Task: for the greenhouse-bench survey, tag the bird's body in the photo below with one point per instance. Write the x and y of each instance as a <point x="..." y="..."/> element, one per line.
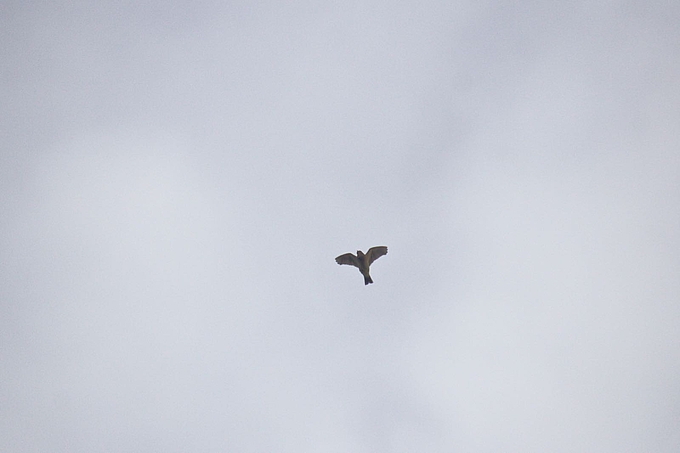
<point x="363" y="261"/>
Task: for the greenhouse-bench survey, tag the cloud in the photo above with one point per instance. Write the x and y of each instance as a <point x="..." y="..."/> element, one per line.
<point x="177" y="180"/>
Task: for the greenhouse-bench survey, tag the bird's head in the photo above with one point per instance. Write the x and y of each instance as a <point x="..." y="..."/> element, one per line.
<point x="360" y="254"/>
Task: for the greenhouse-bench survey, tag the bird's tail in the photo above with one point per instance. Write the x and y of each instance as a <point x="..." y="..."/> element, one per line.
<point x="367" y="279"/>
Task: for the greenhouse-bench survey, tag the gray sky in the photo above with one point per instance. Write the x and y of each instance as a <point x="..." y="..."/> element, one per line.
<point x="177" y="178"/>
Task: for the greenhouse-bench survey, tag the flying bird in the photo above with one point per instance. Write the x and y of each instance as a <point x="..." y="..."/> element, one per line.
<point x="363" y="261"/>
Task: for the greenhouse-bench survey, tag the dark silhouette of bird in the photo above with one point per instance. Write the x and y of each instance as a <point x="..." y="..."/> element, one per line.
<point x="363" y="261"/>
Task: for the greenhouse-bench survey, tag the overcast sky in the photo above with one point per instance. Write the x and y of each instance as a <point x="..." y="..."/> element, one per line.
<point x="176" y="179"/>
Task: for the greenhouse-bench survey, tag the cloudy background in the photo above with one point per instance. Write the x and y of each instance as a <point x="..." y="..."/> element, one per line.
<point x="176" y="179"/>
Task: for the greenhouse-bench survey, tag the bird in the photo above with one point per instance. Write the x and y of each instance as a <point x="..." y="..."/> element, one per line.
<point x="363" y="261"/>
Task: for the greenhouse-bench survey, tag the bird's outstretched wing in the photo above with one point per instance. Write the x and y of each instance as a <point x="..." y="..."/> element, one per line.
<point x="376" y="252"/>
<point x="348" y="258"/>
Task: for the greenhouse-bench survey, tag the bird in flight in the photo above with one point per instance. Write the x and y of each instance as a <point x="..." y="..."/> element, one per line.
<point x="363" y="261"/>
